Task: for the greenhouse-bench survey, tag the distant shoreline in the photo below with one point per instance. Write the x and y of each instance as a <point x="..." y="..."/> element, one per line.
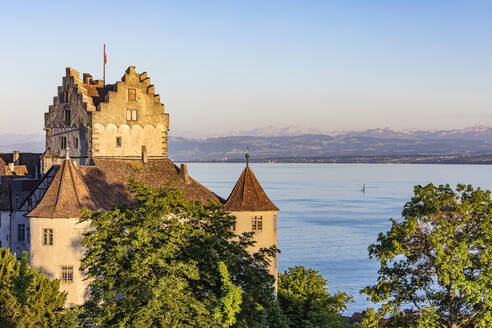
<point x="410" y="159"/>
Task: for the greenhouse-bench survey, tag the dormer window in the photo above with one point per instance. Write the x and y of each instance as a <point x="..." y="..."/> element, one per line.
<point x="131" y="114"/>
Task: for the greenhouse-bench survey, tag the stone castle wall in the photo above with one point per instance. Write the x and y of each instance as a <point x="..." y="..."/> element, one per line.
<point x="134" y="114"/>
<point x="73" y="95"/>
<point x="116" y="120"/>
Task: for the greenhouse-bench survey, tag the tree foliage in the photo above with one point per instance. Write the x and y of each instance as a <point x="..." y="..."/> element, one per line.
<point x="169" y="262"/>
<point x="305" y="301"/>
<point x="438" y="259"/>
<point x="28" y="298"/>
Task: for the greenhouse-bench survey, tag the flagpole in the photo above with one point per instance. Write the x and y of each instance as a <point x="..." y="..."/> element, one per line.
<point x="104" y="66"/>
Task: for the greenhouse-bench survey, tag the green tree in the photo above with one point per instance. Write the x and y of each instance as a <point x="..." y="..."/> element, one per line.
<point x="230" y="303"/>
<point x="169" y="262"/>
<point x="437" y="258"/>
<point x="305" y="301"/>
<point x="28" y="298"/>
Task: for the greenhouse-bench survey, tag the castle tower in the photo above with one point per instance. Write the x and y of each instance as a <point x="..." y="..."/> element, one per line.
<point x="99" y="120"/>
<point x="254" y="211"/>
<point x="56" y="232"/>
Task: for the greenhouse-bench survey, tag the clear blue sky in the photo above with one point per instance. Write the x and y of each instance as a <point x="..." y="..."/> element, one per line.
<point x="228" y="65"/>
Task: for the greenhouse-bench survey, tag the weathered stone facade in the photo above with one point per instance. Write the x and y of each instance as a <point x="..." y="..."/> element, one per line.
<point x="120" y="120"/>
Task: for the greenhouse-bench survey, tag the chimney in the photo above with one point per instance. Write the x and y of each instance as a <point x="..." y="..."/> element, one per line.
<point x="144" y="154"/>
<point x="183" y="173"/>
<point x="15" y="157"/>
<point x="87" y="78"/>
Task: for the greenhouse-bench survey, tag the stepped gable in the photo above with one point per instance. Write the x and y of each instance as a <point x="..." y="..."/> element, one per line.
<point x="91" y="93"/>
<point x="66" y="195"/>
<point x="248" y="195"/>
<point x="107" y="180"/>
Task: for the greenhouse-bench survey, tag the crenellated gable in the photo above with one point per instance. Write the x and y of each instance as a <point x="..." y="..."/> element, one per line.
<point x="94" y="119"/>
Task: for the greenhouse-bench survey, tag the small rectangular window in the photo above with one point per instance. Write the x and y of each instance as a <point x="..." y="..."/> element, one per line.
<point x="76" y="143"/>
<point x="21" y="232"/>
<point x="275" y="222"/>
<point x="118" y="141"/>
<point x="68" y="117"/>
<point x="132" y="94"/>
<point x="47" y="237"/>
<point x="257" y="223"/>
<point x="63" y="142"/>
<point x="67" y="274"/>
<point x="131" y="115"/>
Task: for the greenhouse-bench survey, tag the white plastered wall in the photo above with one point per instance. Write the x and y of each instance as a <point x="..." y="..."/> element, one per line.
<point x="65" y="251"/>
<point x="265" y="237"/>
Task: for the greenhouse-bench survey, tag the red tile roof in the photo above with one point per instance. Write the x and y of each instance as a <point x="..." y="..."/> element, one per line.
<point x="65" y="196"/>
<point x="105" y="185"/>
<point x="108" y="180"/>
<point x="30" y="160"/>
<point x="248" y="195"/>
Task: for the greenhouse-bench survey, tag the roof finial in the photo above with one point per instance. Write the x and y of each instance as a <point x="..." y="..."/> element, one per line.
<point x="68" y="153"/>
<point x="247" y="157"/>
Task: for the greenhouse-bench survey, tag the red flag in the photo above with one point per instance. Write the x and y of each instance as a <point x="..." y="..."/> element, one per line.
<point x="105" y="59"/>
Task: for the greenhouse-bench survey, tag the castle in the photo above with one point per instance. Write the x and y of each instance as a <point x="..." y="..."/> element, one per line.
<point x="97" y="136"/>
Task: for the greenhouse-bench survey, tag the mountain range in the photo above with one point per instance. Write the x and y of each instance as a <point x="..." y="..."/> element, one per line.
<point x="289" y="143"/>
<point x="297" y="142"/>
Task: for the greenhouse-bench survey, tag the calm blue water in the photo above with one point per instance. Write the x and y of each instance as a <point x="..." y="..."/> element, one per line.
<point x="326" y="222"/>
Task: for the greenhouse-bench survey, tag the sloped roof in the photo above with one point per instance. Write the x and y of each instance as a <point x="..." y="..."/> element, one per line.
<point x="97" y="92"/>
<point x="30" y="160"/>
<point x="107" y="180"/>
<point x="65" y="196"/>
<point x="248" y="195"/>
<point x="105" y="185"/>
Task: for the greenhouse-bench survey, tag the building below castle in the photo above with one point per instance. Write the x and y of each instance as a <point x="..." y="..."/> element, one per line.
<point x="97" y="136"/>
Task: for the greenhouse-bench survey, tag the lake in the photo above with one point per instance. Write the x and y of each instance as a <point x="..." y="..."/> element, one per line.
<point x="326" y="222"/>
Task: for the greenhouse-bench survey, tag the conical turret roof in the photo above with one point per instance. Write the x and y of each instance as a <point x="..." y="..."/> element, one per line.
<point x="248" y="195"/>
<point x="66" y="195"/>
